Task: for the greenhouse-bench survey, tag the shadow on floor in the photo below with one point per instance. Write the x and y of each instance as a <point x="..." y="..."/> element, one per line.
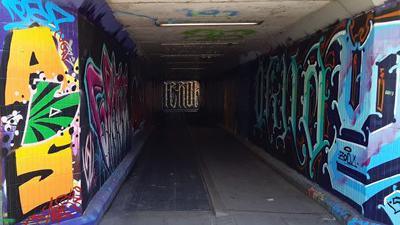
<point x="166" y="186"/>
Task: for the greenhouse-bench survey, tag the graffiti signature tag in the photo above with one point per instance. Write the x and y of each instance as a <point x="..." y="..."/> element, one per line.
<point x="348" y="157"/>
<point x="394" y="204"/>
<point x="63" y="207"/>
<point x="210" y="12"/>
<point x="182" y="95"/>
<point x="27" y="12"/>
<point x="216" y="35"/>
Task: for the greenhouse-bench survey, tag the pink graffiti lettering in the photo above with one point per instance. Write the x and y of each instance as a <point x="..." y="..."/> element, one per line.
<point x="107" y="92"/>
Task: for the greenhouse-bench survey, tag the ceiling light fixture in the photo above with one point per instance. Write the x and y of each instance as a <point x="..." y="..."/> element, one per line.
<point x="193" y="24"/>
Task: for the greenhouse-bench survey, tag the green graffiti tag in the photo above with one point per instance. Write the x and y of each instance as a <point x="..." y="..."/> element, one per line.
<point x="6" y="221"/>
<point x="284" y="101"/>
<point x="49" y="112"/>
<point x="319" y="77"/>
<point x="294" y="75"/>
<point x="217" y="35"/>
<point x="209" y="12"/>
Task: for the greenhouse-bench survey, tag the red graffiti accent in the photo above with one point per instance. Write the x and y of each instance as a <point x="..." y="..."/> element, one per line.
<point x="67" y="54"/>
<point x="360" y="28"/>
<point x="95" y="88"/>
<point x="310" y="192"/>
<point x="339" y="27"/>
<point x="313" y="59"/>
<point x="375" y="148"/>
<point x="65" y="47"/>
<point x="330" y="60"/>
<point x="315" y="194"/>
<point x="366" y="162"/>
<point x="342" y="181"/>
<point x="56" y="210"/>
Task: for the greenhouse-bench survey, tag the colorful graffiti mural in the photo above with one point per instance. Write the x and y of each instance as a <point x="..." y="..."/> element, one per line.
<point x="105" y="115"/>
<point x="328" y="106"/>
<point x="106" y="93"/>
<point x="40" y="104"/>
<point x="62" y="134"/>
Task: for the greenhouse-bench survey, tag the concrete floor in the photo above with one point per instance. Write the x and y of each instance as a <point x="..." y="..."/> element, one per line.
<point x="242" y="189"/>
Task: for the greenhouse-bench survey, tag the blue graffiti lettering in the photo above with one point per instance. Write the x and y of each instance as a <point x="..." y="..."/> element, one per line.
<point x="210" y="12"/>
<point x="391" y="205"/>
<point x="26" y="12"/>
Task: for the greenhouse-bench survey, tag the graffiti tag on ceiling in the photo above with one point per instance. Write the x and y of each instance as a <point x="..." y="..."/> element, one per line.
<point x="209" y="13"/>
<point x="217" y="35"/>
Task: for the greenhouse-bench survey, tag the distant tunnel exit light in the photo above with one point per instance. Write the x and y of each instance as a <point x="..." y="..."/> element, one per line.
<point x="181" y="96"/>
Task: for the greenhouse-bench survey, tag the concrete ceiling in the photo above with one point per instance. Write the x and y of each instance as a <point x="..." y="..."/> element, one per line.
<point x="196" y="52"/>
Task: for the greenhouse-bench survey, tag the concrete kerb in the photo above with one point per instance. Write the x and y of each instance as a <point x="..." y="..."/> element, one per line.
<point x="217" y="205"/>
<point x="343" y="212"/>
<point x="105" y="196"/>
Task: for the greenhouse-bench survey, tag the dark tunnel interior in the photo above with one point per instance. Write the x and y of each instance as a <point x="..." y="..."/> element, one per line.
<point x="199" y="112"/>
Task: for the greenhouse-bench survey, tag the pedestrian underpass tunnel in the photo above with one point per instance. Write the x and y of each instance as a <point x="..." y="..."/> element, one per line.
<point x="244" y="112"/>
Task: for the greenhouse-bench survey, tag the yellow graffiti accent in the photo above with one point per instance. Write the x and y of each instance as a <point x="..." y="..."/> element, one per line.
<point x="36" y="157"/>
<point x="76" y="67"/>
<point x="71" y="81"/>
<point x="31" y="50"/>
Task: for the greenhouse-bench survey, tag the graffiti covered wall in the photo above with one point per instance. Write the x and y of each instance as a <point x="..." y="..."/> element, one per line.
<point x="329" y="106"/>
<point x="39" y="102"/>
<point x="64" y="116"/>
<point x="105" y="118"/>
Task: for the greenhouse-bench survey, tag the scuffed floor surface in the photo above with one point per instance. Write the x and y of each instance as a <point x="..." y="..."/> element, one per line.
<point x="166" y="185"/>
